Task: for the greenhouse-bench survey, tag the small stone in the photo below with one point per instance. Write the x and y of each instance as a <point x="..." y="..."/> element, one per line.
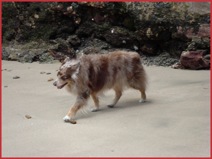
<point x="42" y="72"/>
<point x="5" y="86"/>
<point x="28" y="116"/>
<point x="48" y="73"/>
<point x="16" y="77"/>
<point x="36" y="16"/>
<point x="50" y="79"/>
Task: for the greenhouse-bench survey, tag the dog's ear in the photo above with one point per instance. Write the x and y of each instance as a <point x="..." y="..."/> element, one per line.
<point x="73" y="68"/>
<point x="76" y="65"/>
<point x="66" y="59"/>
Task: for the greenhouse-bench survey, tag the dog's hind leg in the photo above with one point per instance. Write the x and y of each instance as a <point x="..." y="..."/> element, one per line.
<point x="118" y="94"/>
<point x="141" y="87"/>
<point x="143" y="96"/>
<point x="96" y="102"/>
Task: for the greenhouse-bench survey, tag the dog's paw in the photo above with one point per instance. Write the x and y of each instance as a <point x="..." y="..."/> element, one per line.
<point x="110" y="106"/>
<point x="94" y="109"/>
<point x="67" y="118"/>
<point x="142" y="100"/>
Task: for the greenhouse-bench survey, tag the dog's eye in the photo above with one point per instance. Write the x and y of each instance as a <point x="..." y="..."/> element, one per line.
<point x="59" y="74"/>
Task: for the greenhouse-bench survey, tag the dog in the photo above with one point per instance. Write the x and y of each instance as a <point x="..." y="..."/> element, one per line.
<point x="91" y="74"/>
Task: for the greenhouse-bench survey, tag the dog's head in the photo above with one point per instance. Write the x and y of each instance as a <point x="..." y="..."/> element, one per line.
<point x="67" y="73"/>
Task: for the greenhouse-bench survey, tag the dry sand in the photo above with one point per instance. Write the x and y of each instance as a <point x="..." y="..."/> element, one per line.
<point x="174" y="122"/>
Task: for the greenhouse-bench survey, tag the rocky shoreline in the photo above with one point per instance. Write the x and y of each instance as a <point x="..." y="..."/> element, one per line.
<point x="30" y="30"/>
<point x="23" y="53"/>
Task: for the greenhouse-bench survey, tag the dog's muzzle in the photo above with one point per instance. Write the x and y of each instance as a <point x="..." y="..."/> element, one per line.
<point x="59" y="86"/>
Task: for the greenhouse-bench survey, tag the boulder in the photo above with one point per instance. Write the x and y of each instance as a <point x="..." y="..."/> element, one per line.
<point x="73" y="40"/>
<point x="120" y="37"/>
<point x="194" y="60"/>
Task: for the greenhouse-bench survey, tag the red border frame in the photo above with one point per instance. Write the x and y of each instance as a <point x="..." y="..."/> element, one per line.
<point x="105" y="0"/>
<point x="1" y="76"/>
<point x="210" y="88"/>
<point x="99" y="1"/>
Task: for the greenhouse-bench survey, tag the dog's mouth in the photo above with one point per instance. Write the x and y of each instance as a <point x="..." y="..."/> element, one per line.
<point x="62" y="85"/>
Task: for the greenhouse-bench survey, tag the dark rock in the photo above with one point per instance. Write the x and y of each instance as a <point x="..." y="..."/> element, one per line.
<point x="149" y="49"/>
<point x="93" y="45"/>
<point x="120" y="37"/>
<point x="5" y="54"/>
<point x="150" y="28"/>
<point x="60" y="49"/>
<point x="204" y="30"/>
<point x="163" y="59"/>
<point x="86" y="29"/>
<point x="74" y="40"/>
<point x="27" y="56"/>
<point x="16" y="77"/>
<point x="97" y="43"/>
<point x="29" y="52"/>
<point x="14" y="54"/>
<point x="180" y="36"/>
<point x="45" y="58"/>
<point x="207" y="57"/>
<point x="199" y="44"/>
<point x="10" y="35"/>
<point x="174" y="47"/>
<point x="194" y="60"/>
<point x="28" y="116"/>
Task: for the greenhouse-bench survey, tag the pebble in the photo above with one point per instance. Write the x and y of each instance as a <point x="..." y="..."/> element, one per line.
<point x="28" y="116"/>
<point x="50" y="79"/>
<point x="16" y="77"/>
<point x="47" y="73"/>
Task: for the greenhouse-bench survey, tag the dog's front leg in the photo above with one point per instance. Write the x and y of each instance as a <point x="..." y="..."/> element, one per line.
<point x="80" y="102"/>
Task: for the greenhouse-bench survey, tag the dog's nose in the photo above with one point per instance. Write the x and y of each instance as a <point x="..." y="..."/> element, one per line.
<point x="55" y="83"/>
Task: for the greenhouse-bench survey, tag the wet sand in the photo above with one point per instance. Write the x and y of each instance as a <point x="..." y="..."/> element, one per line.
<point x="174" y="122"/>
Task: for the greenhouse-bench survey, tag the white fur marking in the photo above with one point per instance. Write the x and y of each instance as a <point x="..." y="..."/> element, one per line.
<point x="74" y="76"/>
<point x="66" y="118"/>
<point x="68" y="64"/>
<point x="142" y="100"/>
<point x="94" y="109"/>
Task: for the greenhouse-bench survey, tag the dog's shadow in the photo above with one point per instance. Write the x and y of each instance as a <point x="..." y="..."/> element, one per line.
<point x="122" y="105"/>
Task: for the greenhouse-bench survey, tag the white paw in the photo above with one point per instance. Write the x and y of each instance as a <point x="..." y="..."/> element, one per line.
<point x="94" y="109"/>
<point x="66" y="118"/>
<point x="142" y="100"/>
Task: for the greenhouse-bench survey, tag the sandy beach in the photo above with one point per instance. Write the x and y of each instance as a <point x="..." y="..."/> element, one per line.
<point x="174" y="122"/>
